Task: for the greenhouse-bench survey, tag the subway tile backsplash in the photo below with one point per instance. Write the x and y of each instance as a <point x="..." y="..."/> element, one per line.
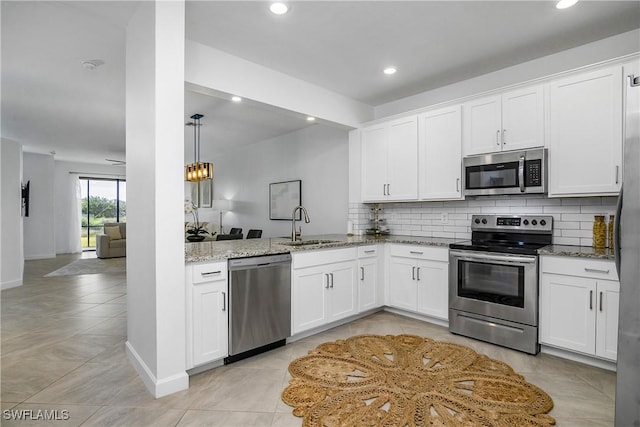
<point x="572" y="217"/>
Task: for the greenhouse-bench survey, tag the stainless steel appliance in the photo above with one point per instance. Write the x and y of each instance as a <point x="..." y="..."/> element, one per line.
<point x="510" y="172"/>
<point x="493" y="280"/>
<point x="259" y="304"/>
<point x="627" y="251"/>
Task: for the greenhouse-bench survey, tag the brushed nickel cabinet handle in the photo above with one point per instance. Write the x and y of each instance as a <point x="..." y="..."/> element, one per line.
<point x="504" y="137"/>
<point x="498" y="137"/>
<point x="331" y="275"/>
<point x="224" y="301"/>
<point x="418" y="273"/>
<point x="596" y="270"/>
<point x="210" y="273"/>
<point x="590" y="300"/>
<point x="617" y="174"/>
<point x="361" y="273"/>
<point x="457" y="185"/>
<point x="413" y="273"/>
<point x="327" y="285"/>
<point x="416" y="252"/>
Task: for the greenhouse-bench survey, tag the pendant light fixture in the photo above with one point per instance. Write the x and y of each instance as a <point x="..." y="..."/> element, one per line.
<point x="197" y="171"/>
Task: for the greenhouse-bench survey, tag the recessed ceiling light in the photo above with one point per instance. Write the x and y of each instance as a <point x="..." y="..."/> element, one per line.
<point x="311" y="119"/>
<point x="563" y="4"/>
<point x="279" y="8"/>
<point x="390" y="70"/>
<point x="236" y="99"/>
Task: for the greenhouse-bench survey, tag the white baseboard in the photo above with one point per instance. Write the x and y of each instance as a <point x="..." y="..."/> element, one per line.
<point x="41" y="256"/>
<point x="11" y="284"/>
<point x="158" y="388"/>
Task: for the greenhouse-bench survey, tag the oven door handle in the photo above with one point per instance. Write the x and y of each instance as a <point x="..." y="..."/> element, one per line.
<point x="497" y="258"/>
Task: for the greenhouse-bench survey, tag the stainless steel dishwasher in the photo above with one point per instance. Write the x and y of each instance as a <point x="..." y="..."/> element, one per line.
<point x="259" y="304"/>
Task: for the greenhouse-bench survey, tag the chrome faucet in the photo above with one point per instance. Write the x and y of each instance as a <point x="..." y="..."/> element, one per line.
<point x="294" y="237"/>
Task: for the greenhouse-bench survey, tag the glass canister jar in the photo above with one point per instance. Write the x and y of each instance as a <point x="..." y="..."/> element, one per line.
<point x="610" y="236"/>
<point x="599" y="232"/>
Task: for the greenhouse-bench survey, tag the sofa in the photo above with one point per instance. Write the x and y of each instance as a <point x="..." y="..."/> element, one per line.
<point x="113" y="242"/>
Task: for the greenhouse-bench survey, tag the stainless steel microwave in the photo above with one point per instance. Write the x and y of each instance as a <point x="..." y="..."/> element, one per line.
<point x="509" y="172"/>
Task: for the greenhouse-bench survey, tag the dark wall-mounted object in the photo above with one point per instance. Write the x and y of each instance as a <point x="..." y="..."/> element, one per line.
<point x="25" y="199"/>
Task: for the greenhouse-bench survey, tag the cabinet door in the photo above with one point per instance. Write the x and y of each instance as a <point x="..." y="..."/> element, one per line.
<point x="374" y="163"/>
<point x="402" y="159"/>
<point x="585" y="133"/>
<point x="440" y="154"/>
<point x="308" y="289"/>
<point x="482" y="126"/>
<point x="402" y="283"/>
<point x="342" y="291"/>
<point x="568" y="312"/>
<point x="607" y="319"/>
<point x="523" y="118"/>
<point x="368" y="284"/>
<point x="210" y="327"/>
<point x="433" y="288"/>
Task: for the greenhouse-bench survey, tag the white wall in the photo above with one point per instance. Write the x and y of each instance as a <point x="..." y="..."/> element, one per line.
<point x="316" y="154"/>
<point x="12" y="263"/>
<point x="601" y="50"/>
<point x="155" y="190"/>
<point x="62" y="193"/>
<point x="211" y="68"/>
<point x="39" y="230"/>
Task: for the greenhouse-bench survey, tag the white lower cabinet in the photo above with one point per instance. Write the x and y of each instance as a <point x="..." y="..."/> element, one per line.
<point x="579" y="305"/>
<point x="207" y="320"/>
<point x="368" y="278"/>
<point x="419" y="280"/>
<point x="323" y="287"/>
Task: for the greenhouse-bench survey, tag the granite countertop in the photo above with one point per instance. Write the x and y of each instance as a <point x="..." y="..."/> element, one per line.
<point x="225" y="249"/>
<point x="577" y="251"/>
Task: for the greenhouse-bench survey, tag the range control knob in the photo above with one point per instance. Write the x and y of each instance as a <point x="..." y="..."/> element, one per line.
<point x="543" y="222"/>
<point x="477" y="221"/>
<point x="525" y="222"/>
<point x="484" y="220"/>
<point x="534" y="222"/>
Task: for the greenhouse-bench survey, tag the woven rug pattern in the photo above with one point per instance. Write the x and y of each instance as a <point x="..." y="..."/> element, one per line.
<point x="91" y="266"/>
<point x="407" y="380"/>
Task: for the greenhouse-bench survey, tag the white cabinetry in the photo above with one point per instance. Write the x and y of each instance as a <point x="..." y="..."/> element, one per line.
<point x="510" y="121"/>
<point x="579" y="305"/>
<point x="585" y="133"/>
<point x="418" y="280"/>
<point x="390" y="160"/>
<point x="440" y="154"/>
<point x="368" y="282"/>
<point x="207" y="321"/>
<point x="323" y="287"/>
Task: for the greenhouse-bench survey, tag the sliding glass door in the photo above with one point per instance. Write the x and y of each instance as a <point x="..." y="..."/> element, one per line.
<point x="103" y="200"/>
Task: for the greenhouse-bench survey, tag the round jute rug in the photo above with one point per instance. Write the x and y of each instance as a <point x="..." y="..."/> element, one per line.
<point x="406" y="380"/>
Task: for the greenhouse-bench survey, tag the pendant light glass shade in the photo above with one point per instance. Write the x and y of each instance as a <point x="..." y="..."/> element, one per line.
<point x="197" y="171"/>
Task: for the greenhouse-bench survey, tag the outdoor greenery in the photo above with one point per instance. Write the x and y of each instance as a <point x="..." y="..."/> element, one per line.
<point x="101" y="210"/>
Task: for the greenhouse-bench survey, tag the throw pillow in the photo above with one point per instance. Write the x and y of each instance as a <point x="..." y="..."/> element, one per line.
<point x="113" y="232"/>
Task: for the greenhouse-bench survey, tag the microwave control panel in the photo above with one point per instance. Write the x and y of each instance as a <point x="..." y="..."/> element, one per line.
<point x="533" y="173"/>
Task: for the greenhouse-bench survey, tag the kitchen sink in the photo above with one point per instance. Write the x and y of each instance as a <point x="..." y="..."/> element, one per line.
<point x="308" y="242"/>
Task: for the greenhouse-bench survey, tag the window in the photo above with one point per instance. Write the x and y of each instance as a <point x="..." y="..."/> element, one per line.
<point x="103" y="200"/>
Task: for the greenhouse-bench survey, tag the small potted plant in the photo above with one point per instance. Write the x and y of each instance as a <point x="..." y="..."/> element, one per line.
<point x="195" y="232"/>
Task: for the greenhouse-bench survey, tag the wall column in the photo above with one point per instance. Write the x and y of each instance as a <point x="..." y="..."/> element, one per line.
<point x="155" y="217"/>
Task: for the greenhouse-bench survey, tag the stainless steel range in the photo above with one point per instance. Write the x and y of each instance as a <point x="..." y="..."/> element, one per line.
<point x="493" y="280"/>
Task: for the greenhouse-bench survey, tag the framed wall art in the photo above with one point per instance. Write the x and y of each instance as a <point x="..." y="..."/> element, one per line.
<point x="283" y="199"/>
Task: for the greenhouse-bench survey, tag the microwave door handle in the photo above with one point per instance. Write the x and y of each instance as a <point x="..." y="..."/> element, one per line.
<point x="521" y="173"/>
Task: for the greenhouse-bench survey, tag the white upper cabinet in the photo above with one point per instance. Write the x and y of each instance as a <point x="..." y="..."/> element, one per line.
<point x="510" y="121"/>
<point x="440" y="154"/>
<point x="585" y="133"/>
<point x="390" y="161"/>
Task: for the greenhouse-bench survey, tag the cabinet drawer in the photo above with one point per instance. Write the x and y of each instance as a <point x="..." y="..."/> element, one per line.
<point x="367" y="251"/>
<point x="320" y="257"/>
<point x="420" y="252"/>
<point x="594" y="268"/>
<point x="209" y="272"/>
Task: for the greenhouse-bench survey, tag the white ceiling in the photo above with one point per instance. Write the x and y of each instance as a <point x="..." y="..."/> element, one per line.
<point x="50" y="103"/>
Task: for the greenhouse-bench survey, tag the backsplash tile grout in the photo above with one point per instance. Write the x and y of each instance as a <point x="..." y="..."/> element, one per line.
<point x="572" y="217"/>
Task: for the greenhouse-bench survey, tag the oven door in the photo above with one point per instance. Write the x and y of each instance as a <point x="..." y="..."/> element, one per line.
<point x="492" y="284"/>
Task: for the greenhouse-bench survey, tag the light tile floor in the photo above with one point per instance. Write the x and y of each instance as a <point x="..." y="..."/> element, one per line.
<point x="63" y="349"/>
